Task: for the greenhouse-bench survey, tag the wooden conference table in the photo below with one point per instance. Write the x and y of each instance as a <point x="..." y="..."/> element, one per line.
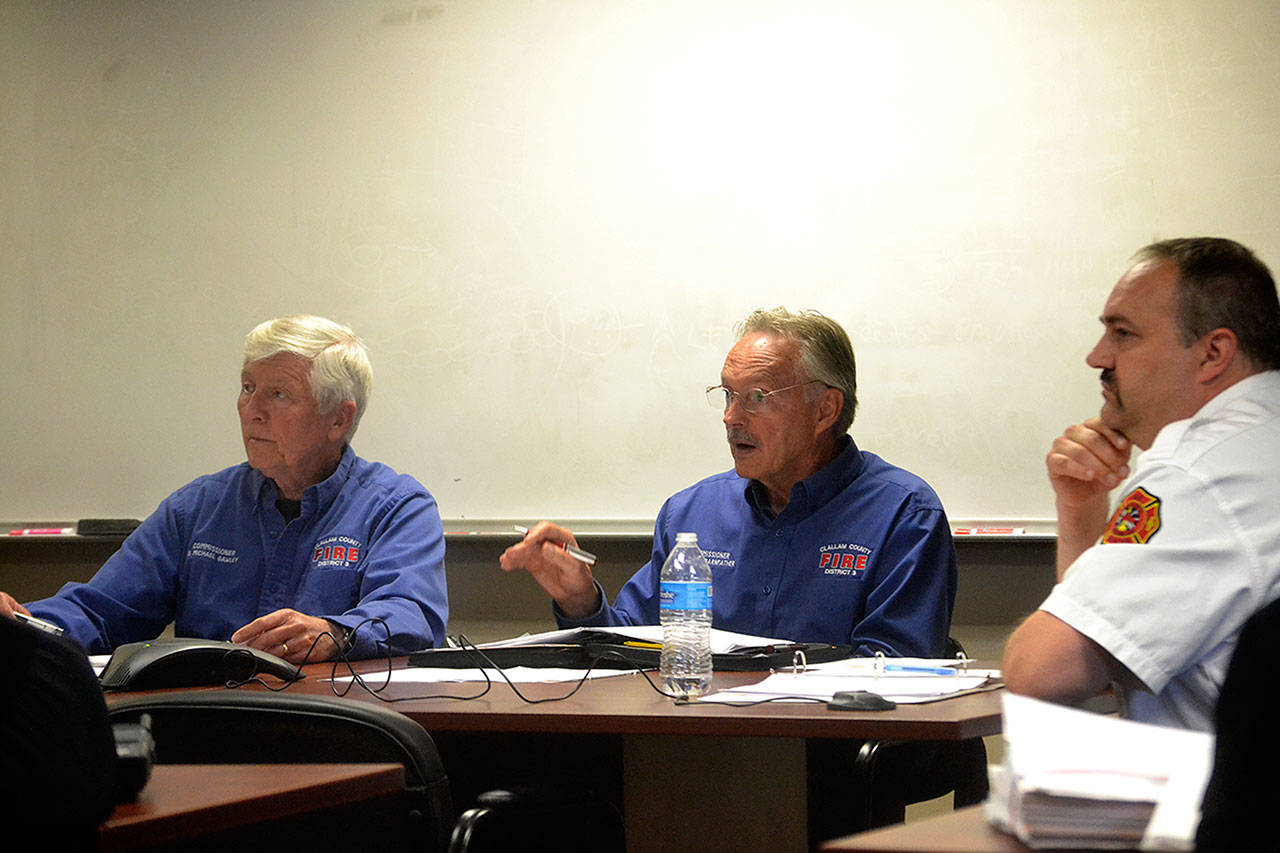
<point x="248" y="806"/>
<point x="738" y="773"/>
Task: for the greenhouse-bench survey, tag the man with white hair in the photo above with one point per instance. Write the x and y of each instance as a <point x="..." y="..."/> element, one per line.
<point x="300" y="545"/>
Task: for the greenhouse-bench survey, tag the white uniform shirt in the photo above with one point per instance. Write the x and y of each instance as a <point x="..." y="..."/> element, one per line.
<point x="1192" y="550"/>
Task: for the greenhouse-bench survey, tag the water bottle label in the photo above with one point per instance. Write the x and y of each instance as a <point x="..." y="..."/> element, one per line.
<point x="684" y="595"/>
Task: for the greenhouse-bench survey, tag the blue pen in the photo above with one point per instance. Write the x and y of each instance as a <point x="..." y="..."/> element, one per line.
<point x="923" y="670"/>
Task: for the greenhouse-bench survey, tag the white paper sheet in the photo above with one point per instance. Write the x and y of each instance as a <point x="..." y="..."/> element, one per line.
<point x="822" y="681"/>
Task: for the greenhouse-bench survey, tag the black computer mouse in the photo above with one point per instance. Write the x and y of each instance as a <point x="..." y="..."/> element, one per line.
<point x="860" y="700"/>
<point x="165" y="663"/>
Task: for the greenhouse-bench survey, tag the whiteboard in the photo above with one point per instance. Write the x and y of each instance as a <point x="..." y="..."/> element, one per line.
<point x="545" y="217"/>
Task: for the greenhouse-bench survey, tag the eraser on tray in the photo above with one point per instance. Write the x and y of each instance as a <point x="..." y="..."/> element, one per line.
<point x="106" y="526"/>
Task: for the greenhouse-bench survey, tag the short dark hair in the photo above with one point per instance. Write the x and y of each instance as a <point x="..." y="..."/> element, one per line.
<point x="1223" y="285"/>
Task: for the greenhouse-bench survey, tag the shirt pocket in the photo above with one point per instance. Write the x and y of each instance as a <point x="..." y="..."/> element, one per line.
<point x="329" y="591"/>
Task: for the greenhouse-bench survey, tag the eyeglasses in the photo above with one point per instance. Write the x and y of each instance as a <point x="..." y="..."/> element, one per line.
<point x="754" y="400"/>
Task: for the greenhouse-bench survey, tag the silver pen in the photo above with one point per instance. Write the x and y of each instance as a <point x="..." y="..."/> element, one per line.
<point x="37" y="623"/>
<point x="572" y="550"/>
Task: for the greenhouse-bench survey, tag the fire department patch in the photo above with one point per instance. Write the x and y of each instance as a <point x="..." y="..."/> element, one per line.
<point x="336" y="551"/>
<point x="1136" y="520"/>
<point x="845" y="559"/>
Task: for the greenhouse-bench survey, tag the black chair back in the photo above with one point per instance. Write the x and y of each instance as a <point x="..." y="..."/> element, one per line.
<point x="527" y="818"/>
<point x="231" y="727"/>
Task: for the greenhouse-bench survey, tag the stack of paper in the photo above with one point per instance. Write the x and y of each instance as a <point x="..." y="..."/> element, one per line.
<point x="1074" y="779"/>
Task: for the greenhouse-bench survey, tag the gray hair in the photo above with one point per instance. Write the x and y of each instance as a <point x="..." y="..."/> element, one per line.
<point x="340" y="368"/>
<point x="826" y="355"/>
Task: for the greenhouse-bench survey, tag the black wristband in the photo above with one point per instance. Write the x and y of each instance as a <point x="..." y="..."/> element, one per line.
<point x="342" y="635"/>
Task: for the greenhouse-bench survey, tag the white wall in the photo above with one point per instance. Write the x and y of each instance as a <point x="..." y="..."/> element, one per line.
<point x="545" y="217"/>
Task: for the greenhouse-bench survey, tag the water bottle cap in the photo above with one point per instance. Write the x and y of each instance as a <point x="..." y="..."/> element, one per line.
<point x="686" y="539"/>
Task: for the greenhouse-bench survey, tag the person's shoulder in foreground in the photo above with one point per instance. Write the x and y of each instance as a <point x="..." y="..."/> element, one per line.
<point x="58" y="765"/>
<point x="1153" y="591"/>
<point x="1236" y="812"/>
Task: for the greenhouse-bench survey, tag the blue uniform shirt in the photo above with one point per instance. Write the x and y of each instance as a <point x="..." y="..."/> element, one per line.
<point x="217" y="554"/>
<point x="860" y="555"/>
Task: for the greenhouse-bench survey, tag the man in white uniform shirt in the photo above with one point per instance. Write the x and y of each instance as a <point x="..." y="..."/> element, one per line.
<point x="1151" y="596"/>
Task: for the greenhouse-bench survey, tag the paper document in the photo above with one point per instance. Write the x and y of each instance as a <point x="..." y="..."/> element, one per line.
<point x="903" y="680"/>
<point x="1072" y="778"/>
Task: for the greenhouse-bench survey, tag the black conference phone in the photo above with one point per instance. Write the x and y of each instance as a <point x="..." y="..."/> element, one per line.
<point x="157" y="664"/>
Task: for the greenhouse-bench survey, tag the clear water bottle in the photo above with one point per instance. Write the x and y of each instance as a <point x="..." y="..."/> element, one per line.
<point x="685" y="614"/>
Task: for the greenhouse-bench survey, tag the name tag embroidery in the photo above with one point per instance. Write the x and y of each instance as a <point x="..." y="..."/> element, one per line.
<point x="209" y="551"/>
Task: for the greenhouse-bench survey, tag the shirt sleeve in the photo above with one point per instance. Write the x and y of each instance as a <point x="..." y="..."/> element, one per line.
<point x="637" y="602"/>
<point x="402" y="583"/>
<point x="635" y="605"/>
<point x="1171" y="596"/>
<point x="908" y="610"/>
<point x="131" y="598"/>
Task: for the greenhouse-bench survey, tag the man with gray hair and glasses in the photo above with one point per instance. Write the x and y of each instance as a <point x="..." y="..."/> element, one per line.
<point x="810" y="539"/>
<point x="295" y="547"/>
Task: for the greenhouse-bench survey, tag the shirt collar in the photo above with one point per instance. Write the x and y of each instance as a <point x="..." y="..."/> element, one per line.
<point x="1257" y="383"/>
<point x="1251" y="384"/>
<point x="315" y="497"/>
<point x="816" y="489"/>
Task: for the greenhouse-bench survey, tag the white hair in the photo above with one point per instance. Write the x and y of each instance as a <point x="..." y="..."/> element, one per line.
<point x="340" y="368"/>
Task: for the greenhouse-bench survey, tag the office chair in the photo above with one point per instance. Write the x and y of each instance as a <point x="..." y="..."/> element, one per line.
<point x="895" y="774"/>
<point x="230" y="727"/>
<point x="887" y="776"/>
<point x="898" y="773"/>
<point x="523" y="818"/>
<point x="1239" y="799"/>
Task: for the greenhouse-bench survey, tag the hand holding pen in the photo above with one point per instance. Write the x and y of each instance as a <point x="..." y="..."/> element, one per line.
<point x="9" y="606"/>
<point x="569" y="548"/>
<point x="551" y="555"/>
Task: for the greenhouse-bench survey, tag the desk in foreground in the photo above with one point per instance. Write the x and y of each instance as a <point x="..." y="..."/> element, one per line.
<point x="961" y="831"/>
<point x="736" y="776"/>
<point x="202" y="806"/>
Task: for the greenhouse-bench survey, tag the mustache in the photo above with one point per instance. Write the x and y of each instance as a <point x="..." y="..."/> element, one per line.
<point x="740" y="435"/>
<point x="1108" y="377"/>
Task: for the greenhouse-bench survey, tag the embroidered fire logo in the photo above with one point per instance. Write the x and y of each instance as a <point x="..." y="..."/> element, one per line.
<point x="1136" y="519"/>
<point x="336" y="551"/>
<point x="843" y="559"/>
